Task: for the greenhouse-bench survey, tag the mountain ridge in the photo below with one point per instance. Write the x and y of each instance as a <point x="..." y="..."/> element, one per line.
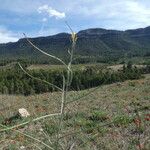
<point x="96" y="42"/>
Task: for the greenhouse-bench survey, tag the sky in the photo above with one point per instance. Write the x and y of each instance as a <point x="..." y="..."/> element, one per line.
<point x="47" y="17"/>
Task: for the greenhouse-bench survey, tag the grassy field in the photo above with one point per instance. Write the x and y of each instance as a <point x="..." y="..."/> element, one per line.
<point x="119" y="67"/>
<point x="110" y="117"/>
<point x="56" y="67"/>
<point x="80" y="66"/>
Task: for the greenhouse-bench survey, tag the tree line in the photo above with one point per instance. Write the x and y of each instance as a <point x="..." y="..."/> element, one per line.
<point x="15" y="81"/>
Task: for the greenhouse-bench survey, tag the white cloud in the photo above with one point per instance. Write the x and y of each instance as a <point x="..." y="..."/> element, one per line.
<point x="7" y="36"/>
<point x="120" y="14"/>
<point x="138" y="12"/>
<point x="51" y="12"/>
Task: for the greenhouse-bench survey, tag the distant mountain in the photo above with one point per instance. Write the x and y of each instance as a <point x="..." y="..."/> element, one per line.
<point x="92" y="43"/>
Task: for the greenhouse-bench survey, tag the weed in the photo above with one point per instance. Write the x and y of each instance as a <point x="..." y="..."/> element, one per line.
<point x="50" y="128"/>
<point x="122" y="120"/>
<point x="98" y="115"/>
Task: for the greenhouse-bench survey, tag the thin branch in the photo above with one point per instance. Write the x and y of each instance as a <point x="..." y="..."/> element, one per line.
<point x="35" y="139"/>
<point x="48" y="137"/>
<point x="66" y="83"/>
<point x="27" y="122"/>
<point x="37" y="146"/>
<point x="69" y="26"/>
<point x="40" y="50"/>
<point x="72" y="146"/>
<point x="62" y="111"/>
<point x="39" y="78"/>
<point x="83" y="96"/>
<point x="81" y="130"/>
<point x="63" y="95"/>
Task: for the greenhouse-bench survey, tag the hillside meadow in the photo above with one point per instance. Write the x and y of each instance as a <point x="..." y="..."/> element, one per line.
<point x="115" y="116"/>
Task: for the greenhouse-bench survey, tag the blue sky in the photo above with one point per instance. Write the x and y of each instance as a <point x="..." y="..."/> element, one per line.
<point x="47" y="17"/>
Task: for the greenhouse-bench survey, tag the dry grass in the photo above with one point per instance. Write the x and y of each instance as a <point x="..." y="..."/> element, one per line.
<point x="119" y="67"/>
<point x="114" y="100"/>
<point x="56" y="67"/>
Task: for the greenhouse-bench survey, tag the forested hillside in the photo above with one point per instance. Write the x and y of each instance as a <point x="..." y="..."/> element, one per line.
<point x="97" y="44"/>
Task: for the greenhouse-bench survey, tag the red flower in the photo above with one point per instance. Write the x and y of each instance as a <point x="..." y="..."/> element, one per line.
<point x="137" y="122"/>
<point x="147" y="117"/>
<point x="140" y="146"/>
<point x="13" y="142"/>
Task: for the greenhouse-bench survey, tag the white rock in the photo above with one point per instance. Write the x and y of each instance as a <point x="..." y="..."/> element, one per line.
<point x="22" y="147"/>
<point x="23" y="112"/>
